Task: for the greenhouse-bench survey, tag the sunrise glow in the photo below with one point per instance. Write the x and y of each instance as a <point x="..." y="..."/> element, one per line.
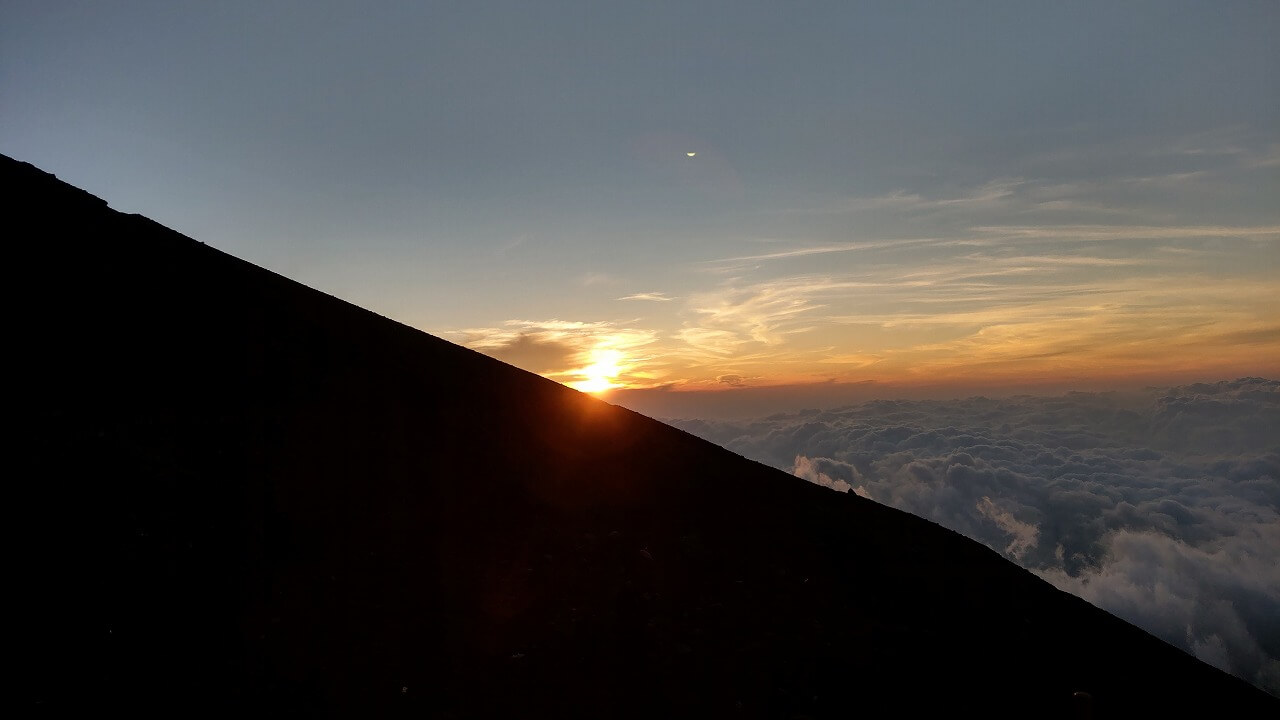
<point x="601" y="373"/>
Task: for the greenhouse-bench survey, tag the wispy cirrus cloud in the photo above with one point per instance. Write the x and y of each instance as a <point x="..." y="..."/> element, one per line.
<point x="649" y="296"/>
<point x="765" y="312"/>
<point x="1003" y="306"/>
<point x="1059" y="233"/>
<point x="721" y="265"/>
<point x="1177" y="180"/>
<point x="1268" y="158"/>
<point x="992" y="193"/>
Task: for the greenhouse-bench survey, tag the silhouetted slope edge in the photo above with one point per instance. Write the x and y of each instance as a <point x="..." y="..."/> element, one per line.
<point x="236" y="492"/>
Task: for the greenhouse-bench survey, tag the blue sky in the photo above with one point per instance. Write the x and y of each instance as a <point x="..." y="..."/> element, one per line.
<point x="905" y="193"/>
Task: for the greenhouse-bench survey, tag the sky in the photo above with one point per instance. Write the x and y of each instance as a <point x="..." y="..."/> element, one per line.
<point x="826" y="201"/>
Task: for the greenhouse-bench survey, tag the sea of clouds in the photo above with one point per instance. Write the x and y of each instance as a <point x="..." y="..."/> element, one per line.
<point x="1160" y="506"/>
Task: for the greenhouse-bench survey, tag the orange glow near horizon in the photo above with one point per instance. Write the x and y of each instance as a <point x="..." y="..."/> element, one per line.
<point x="1143" y="322"/>
<point x="1021" y="362"/>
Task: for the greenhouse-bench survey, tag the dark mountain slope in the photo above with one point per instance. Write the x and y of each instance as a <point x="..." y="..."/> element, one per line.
<point x="234" y="492"/>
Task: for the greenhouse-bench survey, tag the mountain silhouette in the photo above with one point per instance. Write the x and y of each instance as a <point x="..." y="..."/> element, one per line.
<point x="235" y="493"/>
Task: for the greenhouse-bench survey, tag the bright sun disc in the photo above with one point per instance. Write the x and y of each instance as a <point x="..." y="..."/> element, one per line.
<point x="600" y="373"/>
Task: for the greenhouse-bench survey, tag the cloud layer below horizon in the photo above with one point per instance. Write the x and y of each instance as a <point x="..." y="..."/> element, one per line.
<point x="1162" y="506"/>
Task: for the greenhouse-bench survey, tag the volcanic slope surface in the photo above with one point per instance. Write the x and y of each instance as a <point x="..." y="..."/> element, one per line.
<point x="234" y="492"/>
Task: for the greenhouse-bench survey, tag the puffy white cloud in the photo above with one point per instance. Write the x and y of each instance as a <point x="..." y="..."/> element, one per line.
<point x="810" y="470"/>
<point x="1160" y="506"/>
<point x="1023" y="534"/>
<point x="1220" y="601"/>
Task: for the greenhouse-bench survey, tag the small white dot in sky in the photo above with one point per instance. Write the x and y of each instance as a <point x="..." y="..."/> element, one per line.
<point x="691" y="154"/>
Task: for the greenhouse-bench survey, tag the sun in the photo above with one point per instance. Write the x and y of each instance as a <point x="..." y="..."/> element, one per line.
<point x="600" y="374"/>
